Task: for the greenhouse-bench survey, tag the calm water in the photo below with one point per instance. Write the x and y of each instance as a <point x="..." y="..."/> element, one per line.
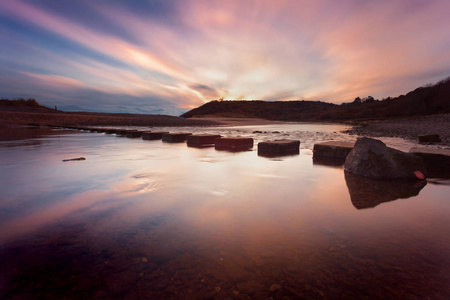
<point x="147" y="219"/>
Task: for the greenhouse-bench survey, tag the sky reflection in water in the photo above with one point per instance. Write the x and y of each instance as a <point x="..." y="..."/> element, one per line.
<point x="166" y="220"/>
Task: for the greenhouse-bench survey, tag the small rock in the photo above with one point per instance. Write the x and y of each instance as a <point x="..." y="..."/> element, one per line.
<point x="74" y="159"/>
<point x="429" y="138"/>
<point x="274" y="287"/>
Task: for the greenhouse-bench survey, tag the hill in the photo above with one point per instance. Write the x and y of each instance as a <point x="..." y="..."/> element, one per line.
<point x="430" y="99"/>
<point x="23" y="105"/>
<point x="21" y="112"/>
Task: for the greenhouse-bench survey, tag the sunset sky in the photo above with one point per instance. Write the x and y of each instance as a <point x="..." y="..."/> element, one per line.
<point x="170" y="56"/>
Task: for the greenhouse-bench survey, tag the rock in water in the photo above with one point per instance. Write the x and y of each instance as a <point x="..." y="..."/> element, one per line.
<point x="372" y="158"/>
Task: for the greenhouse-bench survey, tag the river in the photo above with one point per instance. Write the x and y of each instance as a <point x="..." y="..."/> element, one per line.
<point x="149" y="219"/>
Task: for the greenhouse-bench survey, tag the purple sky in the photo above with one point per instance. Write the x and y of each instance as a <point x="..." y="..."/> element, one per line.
<point x="169" y="56"/>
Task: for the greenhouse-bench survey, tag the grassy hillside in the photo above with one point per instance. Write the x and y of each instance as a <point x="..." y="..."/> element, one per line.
<point x="426" y="100"/>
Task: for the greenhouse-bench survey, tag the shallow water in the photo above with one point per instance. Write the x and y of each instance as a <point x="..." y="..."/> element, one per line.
<point x="147" y="219"/>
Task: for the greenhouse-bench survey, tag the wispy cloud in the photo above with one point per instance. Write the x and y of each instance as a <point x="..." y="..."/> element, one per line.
<point x="183" y="53"/>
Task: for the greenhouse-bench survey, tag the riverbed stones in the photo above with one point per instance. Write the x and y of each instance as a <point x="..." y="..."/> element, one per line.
<point x="176" y="137"/>
<point x="202" y="140"/>
<point x="279" y="148"/>
<point x="372" y="158"/>
<point x="437" y="161"/>
<point x="153" y="135"/>
<point x="234" y="143"/>
<point x="429" y="138"/>
<point x="333" y="149"/>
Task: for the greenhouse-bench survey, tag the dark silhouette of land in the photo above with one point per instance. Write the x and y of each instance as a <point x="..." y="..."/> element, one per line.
<point x="430" y="99"/>
<point x="425" y="110"/>
<point x="21" y="112"/>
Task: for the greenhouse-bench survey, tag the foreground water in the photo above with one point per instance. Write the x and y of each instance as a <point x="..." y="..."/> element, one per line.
<point x="147" y="219"/>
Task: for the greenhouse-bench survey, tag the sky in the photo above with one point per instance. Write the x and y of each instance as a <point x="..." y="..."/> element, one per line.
<point x="169" y="56"/>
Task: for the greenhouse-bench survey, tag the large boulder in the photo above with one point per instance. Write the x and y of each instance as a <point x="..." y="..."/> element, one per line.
<point x="372" y="158"/>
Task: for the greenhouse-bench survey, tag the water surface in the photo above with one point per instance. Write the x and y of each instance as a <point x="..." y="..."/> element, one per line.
<point x="147" y="219"/>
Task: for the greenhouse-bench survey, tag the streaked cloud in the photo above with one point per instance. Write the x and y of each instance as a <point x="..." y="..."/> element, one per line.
<point x="168" y="56"/>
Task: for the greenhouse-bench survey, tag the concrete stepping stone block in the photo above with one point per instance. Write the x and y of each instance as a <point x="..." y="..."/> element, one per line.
<point x="134" y="134"/>
<point x="122" y="132"/>
<point x="110" y="131"/>
<point x="202" y="140"/>
<point x="177" y="137"/>
<point x="234" y="144"/>
<point x="153" y="135"/>
<point x="335" y="149"/>
<point x="437" y="161"/>
<point x="279" y="148"/>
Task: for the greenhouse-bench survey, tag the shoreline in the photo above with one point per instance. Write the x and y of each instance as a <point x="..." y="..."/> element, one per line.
<point x="406" y="128"/>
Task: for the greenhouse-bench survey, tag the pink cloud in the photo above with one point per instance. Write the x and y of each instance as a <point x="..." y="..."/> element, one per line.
<point x="316" y="50"/>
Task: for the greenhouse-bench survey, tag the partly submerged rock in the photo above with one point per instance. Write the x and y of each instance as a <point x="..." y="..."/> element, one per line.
<point x="372" y="158"/>
<point x="367" y="192"/>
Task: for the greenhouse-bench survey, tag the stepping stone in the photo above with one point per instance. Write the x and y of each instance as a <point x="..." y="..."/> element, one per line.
<point x="202" y="140"/>
<point x="328" y="161"/>
<point x="177" y="137"/>
<point x="122" y="132"/>
<point x="437" y="161"/>
<point x="429" y="138"/>
<point x="134" y="134"/>
<point x="110" y="131"/>
<point x="153" y="135"/>
<point x="335" y="149"/>
<point x="278" y="148"/>
<point x="234" y="144"/>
